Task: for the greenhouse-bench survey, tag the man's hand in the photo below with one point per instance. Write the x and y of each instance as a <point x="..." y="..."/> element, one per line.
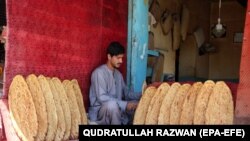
<point x="131" y="105"/>
<point x="144" y="87"/>
<point x="3" y="34"/>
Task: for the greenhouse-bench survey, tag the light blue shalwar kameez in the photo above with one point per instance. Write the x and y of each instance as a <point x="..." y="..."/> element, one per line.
<point x="109" y="96"/>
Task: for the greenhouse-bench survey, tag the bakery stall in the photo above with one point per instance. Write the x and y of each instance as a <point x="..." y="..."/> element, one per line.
<point x="188" y="44"/>
<point x="193" y="41"/>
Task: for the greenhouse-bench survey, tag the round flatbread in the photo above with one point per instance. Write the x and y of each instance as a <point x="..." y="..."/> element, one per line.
<point x="65" y="106"/>
<point x="79" y="98"/>
<point x="74" y="110"/>
<point x="202" y="101"/>
<point x="51" y="108"/>
<point x="40" y="105"/>
<point x="22" y="109"/>
<point x="155" y="104"/>
<point x="220" y="105"/>
<point x="176" y="107"/>
<point x="164" y="116"/>
<point x="61" y="121"/>
<point x="142" y="108"/>
<point x="187" y="114"/>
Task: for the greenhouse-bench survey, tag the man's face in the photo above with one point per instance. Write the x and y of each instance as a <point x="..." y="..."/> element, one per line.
<point x="116" y="61"/>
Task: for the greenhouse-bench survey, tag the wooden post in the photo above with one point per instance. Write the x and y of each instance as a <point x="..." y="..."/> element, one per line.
<point x="137" y="43"/>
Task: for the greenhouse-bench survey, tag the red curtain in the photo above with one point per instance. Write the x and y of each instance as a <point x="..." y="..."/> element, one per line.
<point x="62" y="38"/>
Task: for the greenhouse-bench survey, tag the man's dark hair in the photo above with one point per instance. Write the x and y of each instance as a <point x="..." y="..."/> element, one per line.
<point x="115" y="48"/>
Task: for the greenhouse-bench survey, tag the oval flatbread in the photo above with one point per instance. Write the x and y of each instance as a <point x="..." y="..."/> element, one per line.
<point x="51" y="108"/>
<point x="22" y="109"/>
<point x="155" y="104"/>
<point x="142" y="108"/>
<point x="202" y="101"/>
<point x="61" y="121"/>
<point x="220" y="108"/>
<point x="164" y="116"/>
<point x="39" y="101"/>
<point x="187" y="114"/>
<point x="74" y="110"/>
<point x="65" y="106"/>
<point x="79" y="98"/>
<point x="176" y="107"/>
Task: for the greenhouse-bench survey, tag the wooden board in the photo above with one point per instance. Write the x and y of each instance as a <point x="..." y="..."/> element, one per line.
<point x="184" y="22"/>
<point x="158" y="69"/>
<point x="176" y="32"/>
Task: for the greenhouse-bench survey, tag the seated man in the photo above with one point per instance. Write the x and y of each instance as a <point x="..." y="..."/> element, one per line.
<point x="110" y="100"/>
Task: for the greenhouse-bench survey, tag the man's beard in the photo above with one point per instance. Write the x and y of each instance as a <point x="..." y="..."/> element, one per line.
<point x="117" y="65"/>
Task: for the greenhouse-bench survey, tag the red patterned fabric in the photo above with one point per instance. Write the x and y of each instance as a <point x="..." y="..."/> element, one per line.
<point x="63" y="38"/>
<point x="243" y="96"/>
<point x="67" y="39"/>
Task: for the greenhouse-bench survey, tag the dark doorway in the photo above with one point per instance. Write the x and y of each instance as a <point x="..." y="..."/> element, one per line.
<point x="2" y="23"/>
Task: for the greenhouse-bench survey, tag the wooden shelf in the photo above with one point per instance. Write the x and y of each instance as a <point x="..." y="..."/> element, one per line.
<point x="153" y="52"/>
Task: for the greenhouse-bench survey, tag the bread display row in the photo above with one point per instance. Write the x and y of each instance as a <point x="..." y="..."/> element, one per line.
<point x="186" y="104"/>
<point x="44" y="108"/>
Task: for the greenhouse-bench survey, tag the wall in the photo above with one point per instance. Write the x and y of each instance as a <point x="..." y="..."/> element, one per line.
<point x="197" y="67"/>
<point x="67" y="39"/>
<point x="225" y="63"/>
<point x="162" y="42"/>
<point x="188" y="58"/>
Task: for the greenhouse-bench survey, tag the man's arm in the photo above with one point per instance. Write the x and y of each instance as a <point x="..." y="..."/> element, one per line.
<point x="100" y="88"/>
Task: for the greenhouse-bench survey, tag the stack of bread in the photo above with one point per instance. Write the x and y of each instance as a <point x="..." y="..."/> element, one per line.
<point x="197" y="104"/>
<point x="43" y="108"/>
